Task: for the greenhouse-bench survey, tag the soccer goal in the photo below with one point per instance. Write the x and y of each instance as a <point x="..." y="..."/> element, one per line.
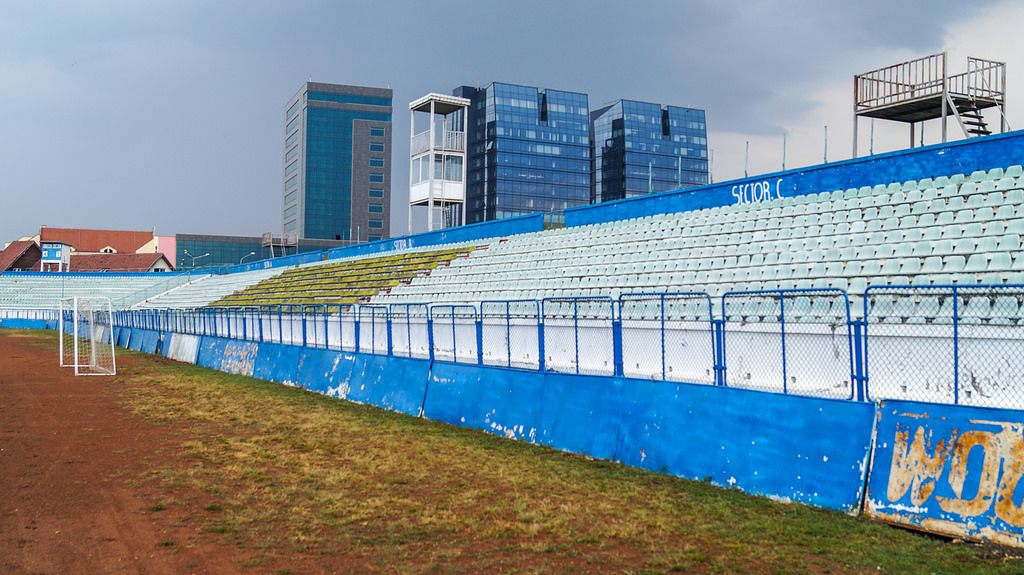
<point x="86" y="335"/>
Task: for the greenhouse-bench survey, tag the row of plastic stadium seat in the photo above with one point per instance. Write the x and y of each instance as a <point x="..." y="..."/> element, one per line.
<point x="203" y="291"/>
<point x="926" y="232"/>
<point x="44" y="291"/>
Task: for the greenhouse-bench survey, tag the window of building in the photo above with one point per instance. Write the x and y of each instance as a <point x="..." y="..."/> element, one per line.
<point x="376" y="209"/>
<point x="376" y="162"/>
<point x="376" y="192"/>
<point x="375" y="224"/>
<point x="377" y="132"/>
<point x="373" y="237"/>
<point x="376" y="146"/>
<point x="108" y="250"/>
<point x="377" y="178"/>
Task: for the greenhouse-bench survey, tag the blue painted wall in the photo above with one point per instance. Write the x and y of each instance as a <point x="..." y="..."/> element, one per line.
<point x="484" y="230"/>
<point x="230" y="356"/>
<point x="964" y="157"/>
<point x="270" y="263"/>
<point x="949" y="469"/>
<point x="19" y="323"/>
<point x="792" y="448"/>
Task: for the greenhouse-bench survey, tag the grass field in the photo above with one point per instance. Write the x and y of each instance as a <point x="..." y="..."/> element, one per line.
<point x="290" y="475"/>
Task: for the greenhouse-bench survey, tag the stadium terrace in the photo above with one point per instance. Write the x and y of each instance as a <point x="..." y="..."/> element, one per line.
<point x="814" y="335"/>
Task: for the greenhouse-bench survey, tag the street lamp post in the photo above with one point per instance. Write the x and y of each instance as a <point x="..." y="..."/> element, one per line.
<point x="194" y="258"/>
<point x="245" y="256"/>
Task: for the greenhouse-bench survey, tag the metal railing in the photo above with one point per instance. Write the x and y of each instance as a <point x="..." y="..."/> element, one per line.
<point x="928" y="76"/>
<point x="444" y="141"/>
<point x="954" y="344"/>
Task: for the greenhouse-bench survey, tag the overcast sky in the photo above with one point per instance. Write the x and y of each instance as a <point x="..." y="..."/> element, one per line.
<point x="169" y="115"/>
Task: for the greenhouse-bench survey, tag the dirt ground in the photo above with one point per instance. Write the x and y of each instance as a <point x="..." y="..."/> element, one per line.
<point x="72" y="460"/>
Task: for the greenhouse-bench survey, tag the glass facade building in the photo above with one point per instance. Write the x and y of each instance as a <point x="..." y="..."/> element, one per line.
<point x="207" y="250"/>
<point x="642" y="148"/>
<point x="528" y="150"/>
<point x="337" y="163"/>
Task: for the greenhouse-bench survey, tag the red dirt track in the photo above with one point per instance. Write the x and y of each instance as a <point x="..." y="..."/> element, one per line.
<point x="71" y="460"/>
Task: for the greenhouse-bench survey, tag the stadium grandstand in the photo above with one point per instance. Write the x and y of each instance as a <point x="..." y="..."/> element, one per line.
<point x="890" y="278"/>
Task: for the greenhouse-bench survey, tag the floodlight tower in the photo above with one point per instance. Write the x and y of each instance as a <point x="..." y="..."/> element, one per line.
<point x="437" y="158"/>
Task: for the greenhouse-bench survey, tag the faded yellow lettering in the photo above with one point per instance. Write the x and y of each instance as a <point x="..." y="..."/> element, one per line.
<point x="988" y="480"/>
<point x="914" y="468"/>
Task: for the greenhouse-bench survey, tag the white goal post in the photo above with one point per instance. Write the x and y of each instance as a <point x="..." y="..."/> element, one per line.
<point x="87" y="335"/>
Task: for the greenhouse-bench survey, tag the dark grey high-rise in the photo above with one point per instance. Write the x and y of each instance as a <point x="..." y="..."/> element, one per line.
<point x="337" y="163"/>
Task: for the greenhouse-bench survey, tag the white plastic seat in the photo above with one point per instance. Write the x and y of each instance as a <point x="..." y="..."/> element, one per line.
<point x="976" y="263"/>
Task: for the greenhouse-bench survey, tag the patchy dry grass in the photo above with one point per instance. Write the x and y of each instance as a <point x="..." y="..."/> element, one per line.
<point x="289" y="472"/>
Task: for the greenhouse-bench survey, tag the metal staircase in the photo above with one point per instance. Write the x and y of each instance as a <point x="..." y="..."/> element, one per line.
<point x="973" y="122"/>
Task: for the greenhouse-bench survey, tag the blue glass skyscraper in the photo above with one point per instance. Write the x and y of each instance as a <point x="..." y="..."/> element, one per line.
<point x="337" y="163"/>
<point x="641" y="148"/>
<point x="528" y="151"/>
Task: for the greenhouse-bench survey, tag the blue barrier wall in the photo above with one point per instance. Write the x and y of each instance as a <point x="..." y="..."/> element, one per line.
<point x="19" y="323"/>
<point x="964" y="157"/>
<point x="270" y="263"/>
<point x="471" y="232"/>
<point x="227" y="355"/>
<point x="790" y="448"/>
<point x="801" y="449"/>
<point x="484" y="230"/>
<point x="949" y="469"/>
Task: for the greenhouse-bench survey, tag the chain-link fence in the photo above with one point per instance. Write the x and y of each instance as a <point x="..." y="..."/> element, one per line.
<point x="373" y="328"/>
<point x="454" y="332"/>
<point x="945" y="344"/>
<point x="315" y="325"/>
<point x="668" y="336"/>
<point x="410" y="336"/>
<point x="578" y="335"/>
<point x="511" y="333"/>
<point x="789" y="341"/>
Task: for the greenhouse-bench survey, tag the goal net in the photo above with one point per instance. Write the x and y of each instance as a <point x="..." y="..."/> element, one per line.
<point x="86" y="337"/>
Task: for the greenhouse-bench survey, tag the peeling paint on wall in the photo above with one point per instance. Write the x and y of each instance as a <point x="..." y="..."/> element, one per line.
<point x="953" y="470"/>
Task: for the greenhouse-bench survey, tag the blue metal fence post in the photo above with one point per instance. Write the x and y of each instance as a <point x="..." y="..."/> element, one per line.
<point x="303" y="312"/>
<point x="391" y="342"/>
<point x="479" y="341"/>
<point x="327" y="326"/>
<point x="616" y="345"/>
<point x="576" y="332"/>
<point x="540" y="336"/>
<point x="782" y="328"/>
<point x="663" y="371"/>
<point x="430" y="332"/>
<point x="508" y="333"/>
<point x="956" y="347"/>
<point x="718" y="327"/>
<point x="455" y="345"/>
<point x="859" y="377"/>
<point x="355" y="324"/>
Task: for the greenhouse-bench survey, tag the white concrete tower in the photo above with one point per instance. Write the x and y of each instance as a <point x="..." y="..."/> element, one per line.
<point x="437" y="158"/>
